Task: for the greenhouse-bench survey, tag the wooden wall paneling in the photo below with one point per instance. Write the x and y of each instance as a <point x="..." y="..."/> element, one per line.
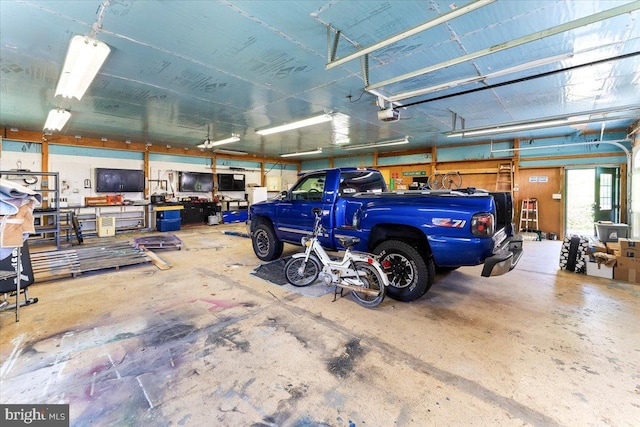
<point x="485" y="181"/>
<point x="45" y="156"/>
<point x="542" y="183"/>
<point x="147" y="177"/>
<point x="434" y="159"/>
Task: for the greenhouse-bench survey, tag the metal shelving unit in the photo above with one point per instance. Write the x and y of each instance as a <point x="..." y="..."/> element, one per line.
<point x="127" y="217"/>
<point x="47" y="215"/>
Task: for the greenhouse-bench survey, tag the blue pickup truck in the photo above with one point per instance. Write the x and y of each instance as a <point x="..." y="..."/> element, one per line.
<point x="414" y="232"/>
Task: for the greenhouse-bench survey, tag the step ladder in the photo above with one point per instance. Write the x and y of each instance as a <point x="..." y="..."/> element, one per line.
<point x="504" y="177"/>
<point x="529" y="215"/>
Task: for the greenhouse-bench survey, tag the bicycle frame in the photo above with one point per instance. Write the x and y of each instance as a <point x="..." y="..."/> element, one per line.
<point x="342" y="272"/>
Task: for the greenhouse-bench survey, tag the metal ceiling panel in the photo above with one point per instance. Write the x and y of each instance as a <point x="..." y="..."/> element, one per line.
<point x="180" y="71"/>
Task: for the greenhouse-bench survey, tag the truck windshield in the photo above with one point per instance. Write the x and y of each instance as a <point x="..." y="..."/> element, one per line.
<point x="361" y="182"/>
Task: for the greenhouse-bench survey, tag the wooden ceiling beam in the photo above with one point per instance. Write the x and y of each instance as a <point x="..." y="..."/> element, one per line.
<point x="56" y="139"/>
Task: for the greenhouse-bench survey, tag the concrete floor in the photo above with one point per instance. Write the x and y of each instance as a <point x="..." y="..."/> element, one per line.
<point x="206" y="343"/>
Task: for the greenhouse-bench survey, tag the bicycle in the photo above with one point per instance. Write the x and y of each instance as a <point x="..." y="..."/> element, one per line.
<point x="358" y="272"/>
<point x="444" y="181"/>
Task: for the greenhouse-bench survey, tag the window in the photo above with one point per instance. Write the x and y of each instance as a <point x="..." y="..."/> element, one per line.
<point x="606" y="191"/>
<point x="361" y="182"/>
<point x="310" y="188"/>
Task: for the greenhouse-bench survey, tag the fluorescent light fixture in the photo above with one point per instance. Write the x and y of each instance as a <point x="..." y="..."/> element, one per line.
<point x="83" y="61"/>
<point x="302" y="153"/>
<point x="210" y="144"/>
<point x="310" y="121"/>
<point x="594" y="116"/>
<point x="231" y="152"/>
<point x="233" y="138"/>
<point x="56" y="119"/>
<point x="405" y="140"/>
<point x="510" y="128"/>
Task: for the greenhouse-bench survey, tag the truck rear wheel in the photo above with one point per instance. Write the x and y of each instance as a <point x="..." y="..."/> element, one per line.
<point x="410" y="275"/>
<point x="266" y="245"/>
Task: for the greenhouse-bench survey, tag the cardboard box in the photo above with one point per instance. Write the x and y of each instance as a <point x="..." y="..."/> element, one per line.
<point x="627" y="269"/>
<point x="613" y="248"/>
<point x="629" y="248"/>
<point x="598" y="270"/>
<point x="598" y="247"/>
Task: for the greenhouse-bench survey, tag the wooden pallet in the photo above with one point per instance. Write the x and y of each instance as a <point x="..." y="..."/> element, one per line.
<point x="159" y="241"/>
<point x="94" y="257"/>
<point x="54" y="264"/>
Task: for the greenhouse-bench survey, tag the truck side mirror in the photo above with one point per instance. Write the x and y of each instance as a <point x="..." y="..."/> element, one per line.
<point x="284" y="195"/>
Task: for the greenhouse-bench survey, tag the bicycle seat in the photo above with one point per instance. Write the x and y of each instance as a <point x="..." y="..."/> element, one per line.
<point x="348" y="241"/>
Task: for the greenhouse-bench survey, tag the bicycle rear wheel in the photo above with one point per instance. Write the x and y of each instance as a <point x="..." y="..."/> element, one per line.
<point x="452" y="180"/>
<point x="370" y="279"/>
<point x="299" y="273"/>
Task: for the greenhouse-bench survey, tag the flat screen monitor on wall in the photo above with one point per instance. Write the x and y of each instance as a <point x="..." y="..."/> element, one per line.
<point x="230" y="182"/>
<point x="198" y="182"/>
<point x="119" y="180"/>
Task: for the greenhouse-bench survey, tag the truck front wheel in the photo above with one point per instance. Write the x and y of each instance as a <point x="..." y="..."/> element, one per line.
<point x="266" y="245"/>
<point x="410" y="275"/>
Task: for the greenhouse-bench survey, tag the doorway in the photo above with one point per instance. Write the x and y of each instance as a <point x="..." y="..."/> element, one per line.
<point x="593" y="194"/>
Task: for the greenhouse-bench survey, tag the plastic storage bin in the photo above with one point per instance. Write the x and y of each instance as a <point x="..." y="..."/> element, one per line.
<point x="170" y="214"/>
<point x="611" y="232"/>
<point x="168" y="224"/>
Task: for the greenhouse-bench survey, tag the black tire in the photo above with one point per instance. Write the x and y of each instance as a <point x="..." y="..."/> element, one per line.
<point x="372" y="280"/>
<point x="265" y="244"/>
<point x="309" y="274"/>
<point x="410" y="275"/>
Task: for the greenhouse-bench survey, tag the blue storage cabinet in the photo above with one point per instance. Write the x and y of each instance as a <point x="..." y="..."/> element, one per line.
<point x="173" y="214"/>
<point x="168" y="218"/>
<point x="172" y="224"/>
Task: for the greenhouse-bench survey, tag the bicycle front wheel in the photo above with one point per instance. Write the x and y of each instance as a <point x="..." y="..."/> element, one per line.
<point x="300" y="273"/>
<point x="434" y="181"/>
<point x="370" y="279"/>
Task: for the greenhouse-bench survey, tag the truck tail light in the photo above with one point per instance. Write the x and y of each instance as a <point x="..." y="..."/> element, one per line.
<point x="483" y="224"/>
